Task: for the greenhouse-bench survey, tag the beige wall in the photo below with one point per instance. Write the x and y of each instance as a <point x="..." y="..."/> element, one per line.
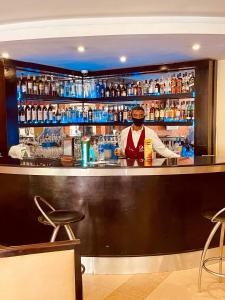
<point x="42" y="276"/>
<point x="220" y="109"/>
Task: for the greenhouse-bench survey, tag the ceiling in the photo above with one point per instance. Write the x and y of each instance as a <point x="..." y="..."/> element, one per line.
<point x="24" y="10"/>
<point x="103" y="52"/>
<point x="106" y="40"/>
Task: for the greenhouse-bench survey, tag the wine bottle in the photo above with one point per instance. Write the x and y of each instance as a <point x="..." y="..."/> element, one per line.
<point x="29" y="85"/>
<point x="45" y="113"/>
<point x="28" y="117"/>
<point x="23" y="84"/>
<point x="33" y="113"/>
<point x="39" y="114"/>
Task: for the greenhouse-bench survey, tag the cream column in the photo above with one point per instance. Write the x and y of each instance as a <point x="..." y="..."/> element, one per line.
<point x="220" y="109"/>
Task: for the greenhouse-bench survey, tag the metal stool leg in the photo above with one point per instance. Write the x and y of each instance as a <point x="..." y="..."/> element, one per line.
<point x="221" y="250"/>
<point x="71" y="236"/>
<point x="212" y="233"/>
<point x="54" y="234"/>
<point x="69" y="232"/>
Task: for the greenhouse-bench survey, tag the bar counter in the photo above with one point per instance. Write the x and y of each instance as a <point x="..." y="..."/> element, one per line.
<point x="130" y="209"/>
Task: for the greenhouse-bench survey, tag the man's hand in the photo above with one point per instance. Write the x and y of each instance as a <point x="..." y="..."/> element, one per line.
<point x="119" y="152"/>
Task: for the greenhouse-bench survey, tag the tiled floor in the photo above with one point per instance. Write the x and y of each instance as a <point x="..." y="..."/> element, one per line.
<point x="179" y="285"/>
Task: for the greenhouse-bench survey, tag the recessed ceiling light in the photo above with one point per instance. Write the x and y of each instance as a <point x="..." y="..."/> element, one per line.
<point x="123" y="59"/>
<point x="81" y="49"/>
<point x="5" y="55"/>
<point x="196" y="47"/>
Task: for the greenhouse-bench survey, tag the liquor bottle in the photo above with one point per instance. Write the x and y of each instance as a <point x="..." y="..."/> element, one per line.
<point x="173" y="84"/>
<point x="192" y="110"/>
<point x="102" y="90"/>
<point x="50" y="114"/>
<point x="145" y="88"/>
<point x="156" y="112"/>
<point x="118" y="90"/>
<point x="162" y="86"/>
<point x="67" y="89"/>
<point x="58" y="115"/>
<point x="28" y="113"/>
<point x="110" y="115"/>
<point x="129" y="90"/>
<point x="184" y="83"/>
<point x="125" y="114"/>
<point x="167" y="86"/>
<point x="108" y="90"/>
<point x="191" y="81"/>
<point x="41" y="86"/>
<point x="147" y="112"/>
<point x="39" y="113"/>
<point x="129" y="114"/>
<point x="120" y="114"/>
<point x="46" y="87"/>
<point x="152" y="112"/>
<point x="172" y="111"/>
<point x="45" y="114"/>
<point x="33" y="113"/>
<point x="72" y="88"/>
<point x="157" y="87"/>
<point x="18" y="87"/>
<point x="135" y="89"/>
<point x="61" y="89"/>
<point x="123" y="90"/>
<point x="85" y="115"/>
<point x="35" y="86"/>
<point x="179" y="84"/>
<point x="29" y="85"/>
<point x="150" y="87"/>
<point x="113" y="91"/>
<point x="115" y="114"/>
<point x="167" y="112"/>
<point x="57" y="87"/>
<point x="177" y="112"/>
<point x="90" y="115"/>
<point x="139" y="89"/>
<point x="21" y="114"/>
<point x="98" y="87"/>
<point x="161" y="112"/>
<point x="23" y="84"/>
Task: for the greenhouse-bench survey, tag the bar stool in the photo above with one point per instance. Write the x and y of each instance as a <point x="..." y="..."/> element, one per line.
<point x="217" y="217"/>
<point x="58" y="219"/>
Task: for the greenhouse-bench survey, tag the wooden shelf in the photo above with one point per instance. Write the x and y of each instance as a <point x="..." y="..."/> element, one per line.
<point x="68" y="100"/>
<point x="181" y="123"/>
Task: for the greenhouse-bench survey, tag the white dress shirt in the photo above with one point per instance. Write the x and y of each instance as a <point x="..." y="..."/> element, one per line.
<point x="157" y="144"/>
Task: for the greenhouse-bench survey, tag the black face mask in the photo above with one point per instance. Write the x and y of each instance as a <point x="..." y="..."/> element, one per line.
<point x="138" y="122"/>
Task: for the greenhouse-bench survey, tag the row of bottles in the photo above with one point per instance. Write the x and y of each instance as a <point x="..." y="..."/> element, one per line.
<point x="49" y="85"/>
<point x="171" y="111"/>
<point x="172" y="84"/>
<point x="154" y="112"/>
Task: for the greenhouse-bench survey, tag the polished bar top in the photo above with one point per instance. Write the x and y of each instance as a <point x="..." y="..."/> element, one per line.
<point x="120" y="167"/>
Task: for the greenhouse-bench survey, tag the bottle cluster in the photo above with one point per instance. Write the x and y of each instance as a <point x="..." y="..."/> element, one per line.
<point x="172" y="84"/>
<point x="155" y="111"/>
<point x="46" y="85"/>
<point x="172" y="111"/>
<point x="49" y="85"/>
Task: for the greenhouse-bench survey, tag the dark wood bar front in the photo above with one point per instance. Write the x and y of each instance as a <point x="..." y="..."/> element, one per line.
<point x="129" y="211"/>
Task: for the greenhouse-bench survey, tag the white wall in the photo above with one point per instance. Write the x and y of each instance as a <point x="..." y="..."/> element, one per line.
<point x="220" y="109"/>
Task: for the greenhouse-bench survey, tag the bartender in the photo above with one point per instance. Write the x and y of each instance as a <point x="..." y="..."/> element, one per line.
<point x="132" y="139"/>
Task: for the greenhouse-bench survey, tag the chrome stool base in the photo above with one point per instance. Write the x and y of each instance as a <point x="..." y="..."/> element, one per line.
<point x="219" y="258"/>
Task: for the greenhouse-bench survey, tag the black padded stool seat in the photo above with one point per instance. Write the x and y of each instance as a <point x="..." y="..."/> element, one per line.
<point x="210" y="213"/>
<point x="61" y="217"/>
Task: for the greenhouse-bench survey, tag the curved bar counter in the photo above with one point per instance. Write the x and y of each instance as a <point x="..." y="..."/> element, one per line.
<point x="130" y="209"/>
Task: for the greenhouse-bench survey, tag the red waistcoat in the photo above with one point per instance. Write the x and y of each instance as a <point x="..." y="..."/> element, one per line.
<point x="135" y="152"/>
